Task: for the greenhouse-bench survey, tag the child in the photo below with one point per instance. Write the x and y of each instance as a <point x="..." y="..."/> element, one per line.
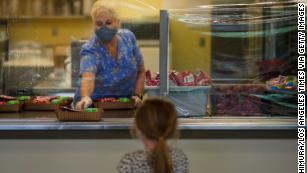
<point x="155" y="122"/>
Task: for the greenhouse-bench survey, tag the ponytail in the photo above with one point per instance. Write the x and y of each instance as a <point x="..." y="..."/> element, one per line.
<point x="156" y="119"/>
<point x="161" y="160"/>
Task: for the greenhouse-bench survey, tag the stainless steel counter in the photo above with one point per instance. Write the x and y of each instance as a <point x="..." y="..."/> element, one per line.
<point x="47" y="122"/>
<point x="120" y="123"/>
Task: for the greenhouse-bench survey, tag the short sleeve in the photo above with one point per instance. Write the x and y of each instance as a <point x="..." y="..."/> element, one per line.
<point x="180" y="160"/>
<point x="125" y="165"/>
<point x="136" y="51"/>
<point x="88" y="61"/>
<point x="185" y="165"/>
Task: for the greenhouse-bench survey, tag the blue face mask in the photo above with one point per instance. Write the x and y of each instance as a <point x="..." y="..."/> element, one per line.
<point x="105" y="34"/>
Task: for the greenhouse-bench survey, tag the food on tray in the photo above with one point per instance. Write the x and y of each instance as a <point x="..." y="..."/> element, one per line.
<point x="51" y="100"/>
<point x="65" y="108"/>
<point x="91" y="110"/>
<point x="5" y="97"/>
<point x="124" y="99"/>
<point x="68" y="114"/>
<point x="65" y="100"/>
<point x="10" y="106"/>
<point x="13" y="102"/>
<point x="43" y="99"/>
<point x="46" y="103"/>
<point x="56" y="101"/>
<point x="114" y="103"/>
<point x="111" y="99"/>
<point x="23" y="98"/>
<point x="10" y="102"/>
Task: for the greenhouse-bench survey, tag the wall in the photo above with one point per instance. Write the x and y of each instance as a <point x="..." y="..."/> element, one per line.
<point x="190" y="49"/>
<point x="97" y="156"/>
<point x="151" y="58"/>
<point x="192" y="3"/>
<point x="139" y="10"/>
<point x="62" y="29"/>
<point x="56" y="31"/>
<point x="184" y="3"/>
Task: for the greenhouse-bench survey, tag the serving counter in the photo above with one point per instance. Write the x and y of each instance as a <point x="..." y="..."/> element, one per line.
<point x="44" y="125"/>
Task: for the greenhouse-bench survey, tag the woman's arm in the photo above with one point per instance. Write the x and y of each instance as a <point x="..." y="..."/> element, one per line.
<point x="87" y="84"/>
<point x="86" y="90"/>
<point x="139" y="86"/>
<point x="140" y="79"/>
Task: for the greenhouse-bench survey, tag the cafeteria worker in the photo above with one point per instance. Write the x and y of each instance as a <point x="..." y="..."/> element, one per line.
<point x="111" y="62"/>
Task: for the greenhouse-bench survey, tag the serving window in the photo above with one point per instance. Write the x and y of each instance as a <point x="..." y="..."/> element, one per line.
<point x="215" y="60"/>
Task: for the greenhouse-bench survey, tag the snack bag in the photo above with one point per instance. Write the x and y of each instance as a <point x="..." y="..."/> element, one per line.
<point x="201" y="79"/>
<point x="152" y="80"/>
<point x="185" y="78"/>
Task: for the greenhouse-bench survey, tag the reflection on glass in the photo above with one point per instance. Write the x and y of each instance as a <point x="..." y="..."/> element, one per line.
<point x="45" y="38"/>
<point x="246" y="54"/>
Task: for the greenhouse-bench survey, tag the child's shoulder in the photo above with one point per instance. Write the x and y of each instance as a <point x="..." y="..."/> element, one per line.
<point x="136" y="155"/>
<point x="177" y="152"/>
<point x="134" y="162"/>
<point x="180" y="160"/>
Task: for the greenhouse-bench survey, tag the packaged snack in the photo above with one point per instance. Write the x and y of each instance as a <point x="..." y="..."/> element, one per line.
<point x="283" y="83"/>
<point x="201" y="79"/>
<point x="152" y="79"/>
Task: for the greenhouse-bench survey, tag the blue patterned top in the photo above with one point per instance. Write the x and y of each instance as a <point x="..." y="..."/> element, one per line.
<point x="114" y="77"/>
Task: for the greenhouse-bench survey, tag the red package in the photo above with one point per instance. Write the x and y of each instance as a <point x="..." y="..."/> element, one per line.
<point x="172" y="76"/>
<point x="152" y="80"/>
<point x="201" y="79"/>
<point x="185" y="78"/>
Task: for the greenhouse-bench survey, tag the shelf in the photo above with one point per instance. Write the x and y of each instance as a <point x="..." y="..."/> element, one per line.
<point x="67" y="17"/>
<point x="74" y="17"/>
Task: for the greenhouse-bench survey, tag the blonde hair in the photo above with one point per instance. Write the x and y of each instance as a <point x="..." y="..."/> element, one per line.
<point x="156" y="119"/>
<point x="104" y="6"/>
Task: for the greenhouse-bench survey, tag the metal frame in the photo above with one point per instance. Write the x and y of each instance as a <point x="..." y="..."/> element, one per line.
<point x="164" y="58"/>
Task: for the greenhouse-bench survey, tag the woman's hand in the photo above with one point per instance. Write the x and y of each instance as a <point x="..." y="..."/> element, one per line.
<point x="86" y="89"/>
<point x="84" y="103"/>
<point x="137" y="101"/>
